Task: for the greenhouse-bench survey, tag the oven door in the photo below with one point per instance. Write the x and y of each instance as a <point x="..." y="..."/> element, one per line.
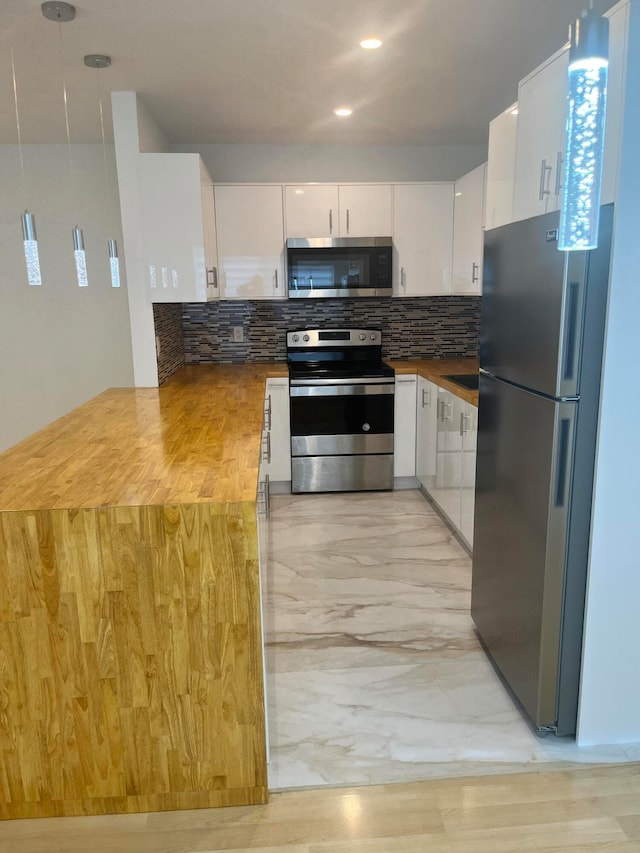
<point x="341" y="418"/>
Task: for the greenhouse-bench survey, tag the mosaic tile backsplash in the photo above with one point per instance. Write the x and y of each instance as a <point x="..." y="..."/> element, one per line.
<point x="425" y="327"/>
<point x="167" y="319"/>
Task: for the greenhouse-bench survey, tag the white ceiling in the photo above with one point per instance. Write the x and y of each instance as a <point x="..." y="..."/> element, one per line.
<point x="272" y="71"/>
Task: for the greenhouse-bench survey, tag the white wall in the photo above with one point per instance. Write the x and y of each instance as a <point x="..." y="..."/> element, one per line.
<point x="610" y="693"/>
<point x="60" y="344"/>
<point x="134" y="131"/>
<point x="301" y="163"/>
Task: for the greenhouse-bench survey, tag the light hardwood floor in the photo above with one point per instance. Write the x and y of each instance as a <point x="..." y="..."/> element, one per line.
<point x="596" y="808"/>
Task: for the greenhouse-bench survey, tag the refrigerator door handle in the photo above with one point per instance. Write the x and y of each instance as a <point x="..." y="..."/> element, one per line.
<point x="572" y="324"/>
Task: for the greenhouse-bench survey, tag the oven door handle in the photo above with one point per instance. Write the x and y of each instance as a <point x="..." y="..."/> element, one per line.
<point x="359" y="380"/>
<point x="341" y="390"/>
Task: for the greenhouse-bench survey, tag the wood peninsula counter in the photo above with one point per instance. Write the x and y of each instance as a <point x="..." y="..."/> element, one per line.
<point x="130" y="636"/>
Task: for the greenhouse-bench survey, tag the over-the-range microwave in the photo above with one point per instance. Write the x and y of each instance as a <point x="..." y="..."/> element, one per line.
<point x="339" y="266"/>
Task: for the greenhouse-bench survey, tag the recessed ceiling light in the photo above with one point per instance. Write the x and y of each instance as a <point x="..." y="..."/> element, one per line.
<point x="370" y="43"/>
<point x="343" y="111"/>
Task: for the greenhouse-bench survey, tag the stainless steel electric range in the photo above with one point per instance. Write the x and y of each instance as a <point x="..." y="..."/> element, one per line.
<point x="342" y="398"/>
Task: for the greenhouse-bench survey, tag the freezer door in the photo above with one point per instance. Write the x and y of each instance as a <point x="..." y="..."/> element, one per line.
<point x="536" y="304"/>
<point x="523" y="493"/>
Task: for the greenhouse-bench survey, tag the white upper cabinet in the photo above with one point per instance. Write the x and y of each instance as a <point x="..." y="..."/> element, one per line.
<point x="329" y="210"/>
<point x="366" y="211"/>
<point x="423" y="241"/>
<point x="501" y="169"/>
<point x="468" y="237"/>
<point x="250" y="241"/>
<point x="542" y="104"/>
<point x="178" y="227"/>
<point x="311" y="210"/>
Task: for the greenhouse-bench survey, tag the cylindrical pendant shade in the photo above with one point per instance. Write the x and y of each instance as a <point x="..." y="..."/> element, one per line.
<point x="31" y="255"/>
<point x="80" y="257"/>
<point x="114" y="263"/>
<point x="584" y="139"/>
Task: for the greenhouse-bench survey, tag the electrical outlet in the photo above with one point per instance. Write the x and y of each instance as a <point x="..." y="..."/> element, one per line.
<point x="157" y="344"/>
<point x="237" y="334"/>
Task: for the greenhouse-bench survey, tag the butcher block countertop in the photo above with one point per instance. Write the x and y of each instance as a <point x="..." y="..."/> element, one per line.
<point x="434" y="369"/>
<point x="196" y="439"/>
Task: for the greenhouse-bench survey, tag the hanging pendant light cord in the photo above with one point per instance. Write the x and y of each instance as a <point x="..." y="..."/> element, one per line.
<point x="66" y="118"/>
<point x="17" y="111"/>
<point x="104" y="152"/>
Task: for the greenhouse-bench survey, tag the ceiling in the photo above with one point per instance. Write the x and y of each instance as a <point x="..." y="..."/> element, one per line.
<point x="272" y="71"/>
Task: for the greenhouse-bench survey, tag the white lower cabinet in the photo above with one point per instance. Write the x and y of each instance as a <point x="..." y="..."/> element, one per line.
<point x="469" y="428"/>
<point x="276" y="436"/>
<point x="404" y="458"/>
<point x="446" y="433"/>
<point x="426" y="426"/>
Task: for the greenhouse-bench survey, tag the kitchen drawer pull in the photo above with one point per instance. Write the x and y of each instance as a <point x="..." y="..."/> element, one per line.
<point x="266" y="451"/>
<point x="474" y="272"/>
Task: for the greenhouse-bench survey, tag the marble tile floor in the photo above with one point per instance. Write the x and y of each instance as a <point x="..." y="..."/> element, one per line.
<point x="374" y="672"/>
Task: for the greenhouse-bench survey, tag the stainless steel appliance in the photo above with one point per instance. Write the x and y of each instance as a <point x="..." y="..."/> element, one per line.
<point x="339" y="266"/>
<point x="342" y="409"/>
<point x="541" y="341"/>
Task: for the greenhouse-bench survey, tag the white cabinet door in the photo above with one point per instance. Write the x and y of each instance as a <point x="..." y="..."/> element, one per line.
<point x="366" y="211"/>
<point x="311" y="211"/>
<point x="437" y="487"/>
<point x="404" y="459"/>
<point x="173" y="226"/>
<point x="277" y="433"/>
<point x="615" y="90"/>
<point x="423" y="239"/>
<point x="501" y="169"/>
<point x="426" y="432"/>
<point x="469" y="427"/>
<point x="452" y="474"/>
<point x="210" y="243"/>
<point x="468" y="236"/>
<point x="250" y="232"/>
<point x="542" y="104"/>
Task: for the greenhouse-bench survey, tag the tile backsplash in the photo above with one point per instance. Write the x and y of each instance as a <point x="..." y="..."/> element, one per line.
<point x="424" y="327"/>
<point x="421" y="327"/>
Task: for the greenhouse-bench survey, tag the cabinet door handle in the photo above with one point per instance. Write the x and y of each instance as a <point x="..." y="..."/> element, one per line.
<point x="276" y="279"/>
<point x="267" y="491"/>
<point x="559" y="165"/>
<point x="403" y="279"/>
<point x="266" y="452"/>
<point x="426" y="397"/>
<point x="267" y="413"/>
<point x="543" y="180"/>
<point x="439" y="410"/>
<point x="212" y="277"/>
<point x="347" y="220"/>
<point x="330" y="221"/>
<point x="474" y="273"/>
<point x="461" y="424"/>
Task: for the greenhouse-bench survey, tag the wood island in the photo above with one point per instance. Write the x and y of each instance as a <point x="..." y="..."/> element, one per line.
<point x="130" y="635"/>
<point x="130" y="630"/>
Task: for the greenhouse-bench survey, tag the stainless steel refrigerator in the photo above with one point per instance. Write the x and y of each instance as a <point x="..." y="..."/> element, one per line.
<point x="541" y="341"/>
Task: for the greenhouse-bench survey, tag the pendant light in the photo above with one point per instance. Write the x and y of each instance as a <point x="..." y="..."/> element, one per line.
<point x="584" y="136"/>
<point x="63" y="13"/>
<point x="28" y="222"/>
<point x="100" y="61"/>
